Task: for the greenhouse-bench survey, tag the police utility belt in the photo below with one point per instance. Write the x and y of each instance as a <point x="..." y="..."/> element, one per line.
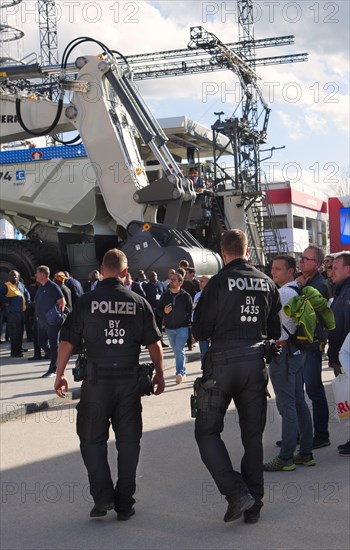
<point x="93" y="372"/>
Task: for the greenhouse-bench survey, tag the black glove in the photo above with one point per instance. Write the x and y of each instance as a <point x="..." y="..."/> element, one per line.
<point x="337" y="368"/>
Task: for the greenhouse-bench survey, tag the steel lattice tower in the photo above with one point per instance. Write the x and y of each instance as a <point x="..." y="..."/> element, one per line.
<point x="48" y="32"/>
<point x="48" y="43"/>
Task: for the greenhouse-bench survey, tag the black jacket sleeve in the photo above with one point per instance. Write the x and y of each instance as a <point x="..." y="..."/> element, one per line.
<point x="163" y="301"/>
<point x="341" y="310"/>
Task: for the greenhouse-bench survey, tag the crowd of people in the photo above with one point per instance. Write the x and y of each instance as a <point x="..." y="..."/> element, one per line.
<point x="24" y="309"/>
<point x="233" y="316"/>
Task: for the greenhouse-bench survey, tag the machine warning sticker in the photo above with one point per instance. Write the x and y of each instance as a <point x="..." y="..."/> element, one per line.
<point x="20" y="176"/>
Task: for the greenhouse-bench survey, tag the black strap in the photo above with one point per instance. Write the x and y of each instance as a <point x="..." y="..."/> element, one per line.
<point x="287" y="331"/>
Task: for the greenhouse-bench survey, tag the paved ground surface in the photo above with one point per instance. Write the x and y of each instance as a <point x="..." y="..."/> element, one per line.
<point x="45" y="499"/>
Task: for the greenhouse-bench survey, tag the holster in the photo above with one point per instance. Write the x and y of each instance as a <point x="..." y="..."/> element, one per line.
<point x="205" y="394"/>
<point x="80" y="370"/>
<point x="145" y="378"/>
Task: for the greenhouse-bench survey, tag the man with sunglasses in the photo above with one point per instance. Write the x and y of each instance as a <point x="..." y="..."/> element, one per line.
<point x="309" y="265"/>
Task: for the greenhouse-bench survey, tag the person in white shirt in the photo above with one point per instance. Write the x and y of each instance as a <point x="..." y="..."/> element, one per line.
<point x="287" y="379"/>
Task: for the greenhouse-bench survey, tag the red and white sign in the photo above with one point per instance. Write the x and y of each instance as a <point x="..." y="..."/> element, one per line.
<point x="292" y="196"/>
<point x="36" y="155"/>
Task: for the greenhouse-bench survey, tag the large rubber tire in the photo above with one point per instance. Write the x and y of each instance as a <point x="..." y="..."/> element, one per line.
<point x="46" y="253"/>
<point x="25" y="256"/>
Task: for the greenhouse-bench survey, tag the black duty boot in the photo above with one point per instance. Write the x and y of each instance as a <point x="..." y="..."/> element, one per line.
<point x="100" y="510"/>
<point x="125" y="516"/>
<point x="253" y="514"/>
<point x="235" y="509"/>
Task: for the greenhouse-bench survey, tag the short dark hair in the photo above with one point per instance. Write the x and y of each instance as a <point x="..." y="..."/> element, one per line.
<point x="180" y="271"/>
<point x="288" y="260"/>
<point x="234" y="242"/>
<point x="114" y="260"/>
<point x="179" y="277"/>
<point x="344" y="255"/>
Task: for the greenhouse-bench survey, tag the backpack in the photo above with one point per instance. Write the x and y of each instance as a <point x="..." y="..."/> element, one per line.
<point x="300" y="339"/>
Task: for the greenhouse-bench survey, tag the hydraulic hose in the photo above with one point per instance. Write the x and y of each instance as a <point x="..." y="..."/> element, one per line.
<point x="44" y="132"/>
<point x="69" y="142"/>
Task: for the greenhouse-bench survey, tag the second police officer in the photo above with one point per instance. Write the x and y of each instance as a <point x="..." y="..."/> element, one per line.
<point x="238" y="310"/>
<point x="112" y="323"/>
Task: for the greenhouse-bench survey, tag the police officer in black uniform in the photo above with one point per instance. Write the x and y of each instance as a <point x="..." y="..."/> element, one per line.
<point x="112" y="323"/>
<point x="238" y="310"/>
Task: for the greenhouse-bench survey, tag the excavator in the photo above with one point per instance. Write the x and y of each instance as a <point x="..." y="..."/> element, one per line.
<point x="73" y="202"/>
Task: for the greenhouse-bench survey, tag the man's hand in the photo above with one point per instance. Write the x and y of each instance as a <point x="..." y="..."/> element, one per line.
<point x="61" y="383"/>
<point x="301" y="280"/>
<point x="61" y="386"/>
<point x="337" y="368"/>
<point x="156" y="355"/>
<point x="158" y="384"/>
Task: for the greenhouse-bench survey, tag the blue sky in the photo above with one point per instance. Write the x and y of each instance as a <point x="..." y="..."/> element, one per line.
<point x="310" y="101"/>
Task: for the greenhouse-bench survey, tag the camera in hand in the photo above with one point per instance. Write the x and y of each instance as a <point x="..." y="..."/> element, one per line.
<point x="271" y="350"/>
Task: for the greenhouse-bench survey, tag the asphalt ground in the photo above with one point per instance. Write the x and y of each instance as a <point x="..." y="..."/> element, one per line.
<point x="44" y="488"/>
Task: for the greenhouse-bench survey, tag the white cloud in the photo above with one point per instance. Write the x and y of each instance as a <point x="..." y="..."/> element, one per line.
<point x="317" y="181"/>
<point x="336" y="113"/>
<point x="316" y="123"/>
<point x="294" y="126"/>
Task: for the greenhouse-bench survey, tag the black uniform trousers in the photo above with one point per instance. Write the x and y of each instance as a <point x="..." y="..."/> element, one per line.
<point x="15" y="323"/>
<point x="244" y="379"/>
<point x="102" y="403"/>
